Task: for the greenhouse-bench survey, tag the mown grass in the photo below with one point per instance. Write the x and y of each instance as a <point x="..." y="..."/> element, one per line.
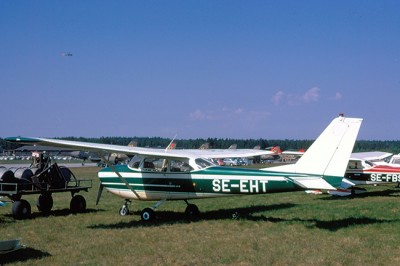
<point x="275" y="229"/>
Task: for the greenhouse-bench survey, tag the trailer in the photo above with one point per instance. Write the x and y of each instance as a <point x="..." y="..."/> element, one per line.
<point x="42" y="179"/>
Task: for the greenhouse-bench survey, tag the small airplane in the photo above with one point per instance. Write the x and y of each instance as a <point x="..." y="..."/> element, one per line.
<point x="113" y="158"/>
<point x="365" y="172"/>
<point x="66" y="54"/>
<point x="373" y="156"/>
<point x="170" y="174"/>
<point x="84" y="156"/>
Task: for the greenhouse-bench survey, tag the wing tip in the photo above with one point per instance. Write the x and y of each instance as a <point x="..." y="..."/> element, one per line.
<point x="21" y="139"/>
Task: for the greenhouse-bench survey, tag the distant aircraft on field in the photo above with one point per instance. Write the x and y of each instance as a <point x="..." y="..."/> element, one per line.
<point x="368" y="168"/>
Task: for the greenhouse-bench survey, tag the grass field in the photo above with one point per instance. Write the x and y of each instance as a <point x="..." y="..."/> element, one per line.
<point x="273" y="229"/>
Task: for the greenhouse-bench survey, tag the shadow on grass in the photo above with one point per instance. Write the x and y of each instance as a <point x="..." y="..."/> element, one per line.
<point x="245" y="214"/>
<point x="169" y="217"/>
<point x="381" y="193"/>
<point x="349" y="222"/>
<point x="22" y="255"/>
<point x="6" y="219"/>
<point x="333" y="225"/>
<point x="56" y="213"/>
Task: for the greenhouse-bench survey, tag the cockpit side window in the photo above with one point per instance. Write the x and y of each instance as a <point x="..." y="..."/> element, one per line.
<point x="396" y="161"/>
<point x="158" y="164"/>
<point x="180" y="166"/>
<point x="155" y="164"/>
<point x="354" y="165"/>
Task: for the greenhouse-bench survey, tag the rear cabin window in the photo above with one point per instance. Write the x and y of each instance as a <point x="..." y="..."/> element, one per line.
<point x="203" y="163"/>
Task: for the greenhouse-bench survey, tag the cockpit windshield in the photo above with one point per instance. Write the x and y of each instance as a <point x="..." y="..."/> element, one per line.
<point x="135" y="162"/>
<point x="369" y="163"/>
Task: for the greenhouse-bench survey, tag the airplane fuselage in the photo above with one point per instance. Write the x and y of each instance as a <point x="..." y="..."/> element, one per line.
<point x="204" y="183"/>
<point x="380" y="174"/>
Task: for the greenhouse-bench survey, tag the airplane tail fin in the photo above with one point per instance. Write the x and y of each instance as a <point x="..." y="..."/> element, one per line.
<point x="328" y="156"/>
<point x="233" y="147"/>
<point x="276" y="150"/>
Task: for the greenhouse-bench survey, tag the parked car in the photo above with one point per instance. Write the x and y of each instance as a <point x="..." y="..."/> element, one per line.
<point x="231" y="162"/>
<point x="219" y="162"/>
<point x="242" y="161"/>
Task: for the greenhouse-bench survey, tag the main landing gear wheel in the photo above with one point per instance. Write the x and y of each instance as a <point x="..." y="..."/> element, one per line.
<point x="124" y="210"/>
<point x="192" y="210"/>
<point x="78" y="204"/>
<point x="148" y="214"/>
<point x="21" y="209"/>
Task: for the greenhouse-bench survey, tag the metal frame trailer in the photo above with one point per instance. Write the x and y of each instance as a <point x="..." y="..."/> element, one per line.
<point x="21" y="208"/>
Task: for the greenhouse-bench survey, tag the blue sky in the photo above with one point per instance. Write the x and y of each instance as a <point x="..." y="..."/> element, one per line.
<point x="198" y="69"/>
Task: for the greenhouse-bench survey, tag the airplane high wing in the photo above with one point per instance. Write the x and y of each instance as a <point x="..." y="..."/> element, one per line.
<point x="172" y="153"/>
<point x="161" y="175"/>
<point x="372" y="156"/>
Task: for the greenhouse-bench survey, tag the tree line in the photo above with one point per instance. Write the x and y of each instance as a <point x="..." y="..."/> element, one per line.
<point x="392" y="146"/>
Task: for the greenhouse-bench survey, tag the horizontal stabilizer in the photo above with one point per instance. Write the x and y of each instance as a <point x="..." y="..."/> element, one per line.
<point x="346" y="183"/>
<point x="314" y="192"/>
<point x="313" y="183"/>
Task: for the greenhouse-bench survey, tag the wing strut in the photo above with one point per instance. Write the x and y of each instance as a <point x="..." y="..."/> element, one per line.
<point x="99" y="191"/>
<point x="120" y="176"/>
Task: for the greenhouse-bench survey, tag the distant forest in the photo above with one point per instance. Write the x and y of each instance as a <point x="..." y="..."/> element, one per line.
<point x="392" y="146"/>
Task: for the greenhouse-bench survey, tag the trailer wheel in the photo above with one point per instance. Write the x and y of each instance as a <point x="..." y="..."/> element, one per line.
<point x="21" y="209"/>
<point x="78" y="204"/>
<point x="44" y="203"/>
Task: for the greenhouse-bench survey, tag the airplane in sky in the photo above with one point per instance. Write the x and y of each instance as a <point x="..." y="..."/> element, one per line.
<point x="161" y="175"/>
<point x="67" y="54"/>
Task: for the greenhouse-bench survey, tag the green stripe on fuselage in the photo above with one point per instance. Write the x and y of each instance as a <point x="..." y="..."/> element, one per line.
<point x="210" y="180"/>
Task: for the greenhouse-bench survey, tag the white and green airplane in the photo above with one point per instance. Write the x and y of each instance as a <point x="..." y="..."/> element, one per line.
<point x="161" y="175"/>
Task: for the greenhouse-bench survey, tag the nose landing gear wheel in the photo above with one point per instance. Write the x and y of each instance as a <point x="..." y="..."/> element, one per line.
<point x="124" y="210"/>
<point x="147" y="215"/>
